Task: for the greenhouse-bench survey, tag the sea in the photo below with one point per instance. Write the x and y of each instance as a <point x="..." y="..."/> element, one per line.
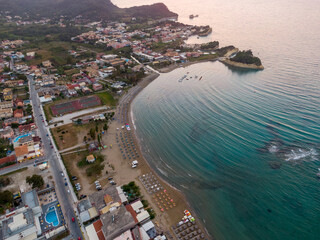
<point x="243" y="146"/>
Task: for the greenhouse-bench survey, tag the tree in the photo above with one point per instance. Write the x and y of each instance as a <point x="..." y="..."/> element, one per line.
<point x="6" y="199"/>
<point x="85" y="138"/>
<point x="36" y="181"/>
<point x="92" y="133"/>
<point x="105" y="127"/>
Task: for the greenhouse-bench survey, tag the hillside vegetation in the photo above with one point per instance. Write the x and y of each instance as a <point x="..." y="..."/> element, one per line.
<point x="90" y="9"/>
<point x="246" y="57"/>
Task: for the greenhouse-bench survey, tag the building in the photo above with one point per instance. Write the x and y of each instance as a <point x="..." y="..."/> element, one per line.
<point x="6" y="132"/>
<point x="27" y="140"/>
<point x="6" y="113"/>
<point x="97" y="86"/>
<point x="21" y="153"/>
<point x="23" y="223"/>
<point x="18" y="113"/>
<point x="7" y="94"/>
<point x="6" y="104"/>
<point x="45" y="99"/>
<point x="14" y="83"/>
<point x="121" y="195"/>
<point x="87" y="211"/>
<point x="27" y="127"/>
<point x="90" y="158"/>
<point x="137" y="206"/>
<point x="116" y="62"/>
<point x="9" y="159"/>
<point x="47" y="64"/>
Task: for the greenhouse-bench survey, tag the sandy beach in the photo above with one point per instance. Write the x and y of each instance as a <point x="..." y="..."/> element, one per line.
<point x="123" y="173"/>
<point x="186" y="64"/>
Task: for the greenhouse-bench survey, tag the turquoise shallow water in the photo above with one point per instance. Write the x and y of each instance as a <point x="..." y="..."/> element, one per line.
<point x="216" y="139"/>
<point x="219" y="139"/>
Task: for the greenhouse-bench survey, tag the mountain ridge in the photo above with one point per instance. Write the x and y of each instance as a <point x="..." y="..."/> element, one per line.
<point x="90" y="9"/>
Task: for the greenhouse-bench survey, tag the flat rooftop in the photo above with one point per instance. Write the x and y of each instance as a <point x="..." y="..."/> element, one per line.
<point x="97" y="198"/>
<point x="116" y="222"/>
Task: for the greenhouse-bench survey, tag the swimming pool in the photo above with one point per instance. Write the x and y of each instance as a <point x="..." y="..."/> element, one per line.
<point x="52" y="216"/>
<point x="17" y="138"/>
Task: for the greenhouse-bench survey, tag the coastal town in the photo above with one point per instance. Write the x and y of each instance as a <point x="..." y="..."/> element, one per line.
<point x="71" y="166"/>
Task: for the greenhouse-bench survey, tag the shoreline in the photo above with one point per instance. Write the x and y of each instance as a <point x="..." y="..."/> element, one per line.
<point x="175" y="191"/>
<point x="183" y="65"/>
<point x="228" y="62"/>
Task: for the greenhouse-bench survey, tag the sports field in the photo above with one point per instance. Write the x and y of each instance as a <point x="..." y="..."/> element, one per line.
<point x="75" y="105"/>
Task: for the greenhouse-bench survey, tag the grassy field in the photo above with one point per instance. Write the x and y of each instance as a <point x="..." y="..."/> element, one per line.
<point x="107" y="98"/>
<point x="65" y="136"/>
<point x="47" y="111"/>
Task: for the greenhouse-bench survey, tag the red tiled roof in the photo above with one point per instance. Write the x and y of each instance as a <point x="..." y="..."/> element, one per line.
<point x="133" y="213"/>
<point x="97" y="226"/>
<point x="22" y="150"/>
<point x="8" y="159"/>
<point x="26" y="128"/>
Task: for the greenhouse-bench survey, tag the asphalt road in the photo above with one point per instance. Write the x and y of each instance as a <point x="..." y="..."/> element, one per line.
<point x="64" y="197"/>
<point x="21" y="165"/>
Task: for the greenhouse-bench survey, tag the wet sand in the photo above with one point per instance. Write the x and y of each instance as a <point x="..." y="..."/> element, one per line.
<point x="123" y="173"/>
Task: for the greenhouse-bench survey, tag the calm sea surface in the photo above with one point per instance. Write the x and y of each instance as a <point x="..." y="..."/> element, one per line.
<point x="219" y="139"/>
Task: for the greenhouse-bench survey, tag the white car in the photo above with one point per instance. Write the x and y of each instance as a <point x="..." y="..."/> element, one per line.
<point x="134" y="164"/>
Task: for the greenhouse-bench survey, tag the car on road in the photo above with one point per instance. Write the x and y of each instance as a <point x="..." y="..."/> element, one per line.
<point x="73" y="220"/>
<point x="61" y="173"/>
<point x="66" y="183"/>
<point x="68" y="191"/>
<point x="51" y="146"/>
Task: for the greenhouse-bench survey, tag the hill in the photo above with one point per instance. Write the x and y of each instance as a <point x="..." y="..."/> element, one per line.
<point x="89" y="9"/>
<point x="246" y="57"/>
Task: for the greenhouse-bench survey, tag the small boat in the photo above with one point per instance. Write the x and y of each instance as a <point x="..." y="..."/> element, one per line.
<point x="191" y="16"/>
<point x="200" y="78"/>
<point x="181" y="79"/>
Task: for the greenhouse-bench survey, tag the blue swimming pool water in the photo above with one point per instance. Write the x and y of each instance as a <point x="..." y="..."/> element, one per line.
<point x="17" y="138"/>
<point x="52" y="217"/>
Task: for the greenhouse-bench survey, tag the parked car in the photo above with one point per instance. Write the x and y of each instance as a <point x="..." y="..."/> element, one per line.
<point x="134" y="164"/>
<point x="112" y="183"/>
<point x="110" y="178"/>
<point x="83" y="196"/>
<point x="74" y="178"/>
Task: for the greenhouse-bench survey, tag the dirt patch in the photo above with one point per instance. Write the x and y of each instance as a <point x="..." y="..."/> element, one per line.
<point x="65" y="136"/>
<point x="71" y="162"/>
<point x="18" y="179"/>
